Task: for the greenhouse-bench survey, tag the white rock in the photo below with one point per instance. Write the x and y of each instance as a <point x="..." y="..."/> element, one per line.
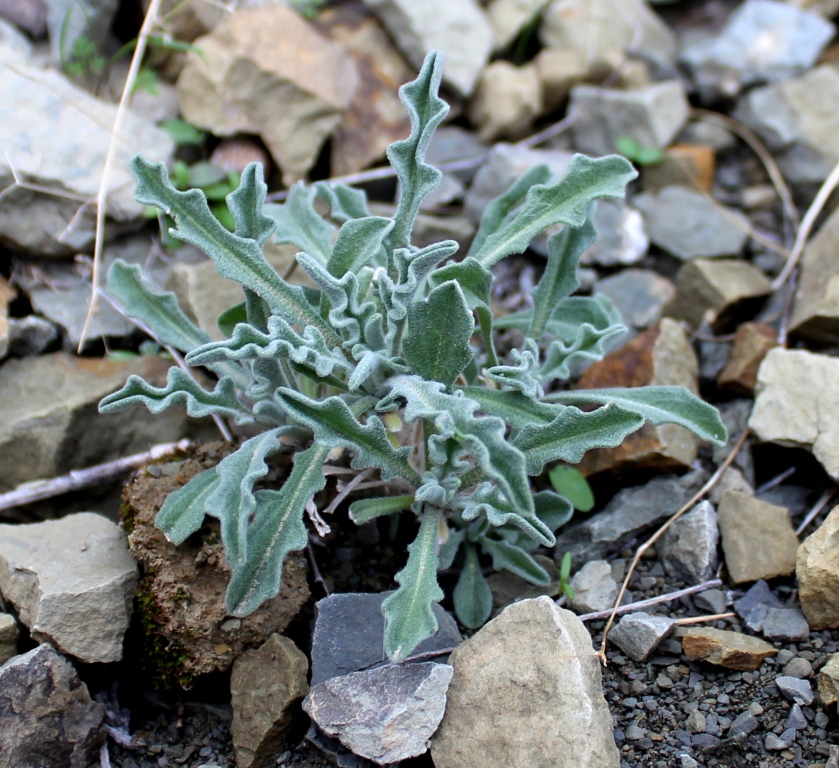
<point x="72" y="582"/>
<point x="594" y="588"/>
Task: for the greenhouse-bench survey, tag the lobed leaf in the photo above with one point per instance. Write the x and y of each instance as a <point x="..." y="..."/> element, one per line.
<point x="182" y="514"/>
<point x="508" y="557"/>
<point x="344" y="202"/>
<point x="246" y="204"/>
<point x="472" y="595"/>
<point x="300" y="224"/>
<point x="359" y="244"/>
<point x="365" y="510"/>
<point x="473" y="279"/>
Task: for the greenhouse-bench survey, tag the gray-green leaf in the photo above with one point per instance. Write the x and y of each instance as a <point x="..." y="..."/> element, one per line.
<point x="182" y="514"/>
<point x="472" y="595"/>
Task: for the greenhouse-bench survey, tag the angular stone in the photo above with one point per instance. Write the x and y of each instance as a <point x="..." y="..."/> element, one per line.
<point x="28" y="15"/>
<point x="386" y="714"/>
<point x="731" y="480"/>
<point x="794" y="688"/>
<point x="72" y="583"/>
<point x="689" y="225"/>
<point x="828" y="681"/>
<point x="265" y="684"/>
<point x="688" y="548"/>
<point x="452" y="143"/>
<point x="594" y="588"/>
<point x="30" y="335"/>
<point x="349" y="634"/>
<point x="758" y="539"/>
<point x="785" y="624"/>
<point x="621" y="238"/>
<point x="291" y="100"/>
<point x="711" y="601"/>
<point x="797" y="404"/>
<point x="48" y="419"/>
<point x="66" y="152"/>
<point x="755" y="604"/>
<point x="47" y="717"/>
<point x="715" y="290"/>
<point x="638" y="634"/>
<point x="817" y="572"/>
<point x="638" y="294"/>
<point x="508" y="588"/>
<point x="458" y="28"/>
<point x="752" y="342"/>
<point x="742" y="725"/>
<point x="651" y="115"/>
<point x="724" y="648"/>
<point x="685" y="165"/>
<point x="506" y="102"/>
<point x="8" y="637"/>
<point x="533" y="652"/>
<point x="508" y="17"/>
<point x="662" y="355"/>
<point x="559" y="70"/>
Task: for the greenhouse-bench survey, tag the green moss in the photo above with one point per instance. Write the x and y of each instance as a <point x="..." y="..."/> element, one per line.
<point x="126" y="518"/>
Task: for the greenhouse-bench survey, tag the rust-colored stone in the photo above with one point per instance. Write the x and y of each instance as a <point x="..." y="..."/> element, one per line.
<point x="725" y="648"/>
<point x="751" y="344"/>
<point x="692" y="165"/>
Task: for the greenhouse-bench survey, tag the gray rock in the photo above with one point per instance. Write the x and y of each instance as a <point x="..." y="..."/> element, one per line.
<point x="702" y="132"/>
<point x="451" y="143"/>
<point x="508" y="17"/>
<point x="712" y="601"/>
<point x="507" y="100"/>
<point x="735" y="415"/>
<point x="338" y="753"/>
<point x="72" y="582"/>
<point x="775" y="743"/>
<point x="638" y="634"/>
<point x="755" y="604"/>
<point x="742" y="725"/>
<point x="652" y="116"/>
<point x="66" y="152"/>
<point x="386" y="714"/>
<point x="638" y="294"/>
<point x="796" y="719"/>
<point x="70" y="21"/>
<point x="688" y="225"/>
<point x="534" y="651"/>
<point x="594" y="588"/>
<point x="349" y="634"/>
<point x="798" y="667"/>
<point x="458" y="28"/>
<point x="47" y="717"/>
<point x="28" y="15"/>
<point x="8" y="637"/>
<point x="733" y="480"/>
<point x="696" y="722"/>
<point x="762" y="41"/>
<point x="31" y="335"/>
<point x="797" y="404"/>
<point x="787" y="624"/>
<point x="689" y="547"/>
<point x="631" y="512"/>
<point x="621" y="239"/>
<point x="794" y="688"/>
<point x="265" y="685"/>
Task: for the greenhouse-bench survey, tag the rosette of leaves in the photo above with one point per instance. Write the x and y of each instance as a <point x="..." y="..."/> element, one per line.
<point x="393" y="332"/>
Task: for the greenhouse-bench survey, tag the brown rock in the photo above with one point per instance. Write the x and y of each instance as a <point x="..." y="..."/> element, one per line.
<point x="751" y="344"/>
<point x="181" y="594"/>
<point x="265" y="685"/>
<point x="828" y="681"/>
<point x="662" y="355"/>
<point x="507" y="100"/>
<point x="691" y="165"/>
<point x="758" y="539"/>
<point x="236" y="153"/>
<point x="716" y="290"/>
<point x="559" y="70"/>
<point x="725" y="648"/>
<point x="817" y="569"/>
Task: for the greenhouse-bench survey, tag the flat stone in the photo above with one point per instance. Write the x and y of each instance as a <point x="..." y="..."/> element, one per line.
<point x="508" y="588"/>
<point x="775" y="743"/>
<point x="742" y="725"/>
<point x="652" y="116"/>
<point x="534" y="651"/>
<point x="594" y="588"/>
<point x="349" y="634"/>
<point x="711" y="601"/>
<point x="638" y="634"/>
<point x="786" y="624"/>
<point x="798" y="667"/>
<point x="31" y="335"/>
<point x="688" y="548"/>
<point x="508" y="17"/>
<point x="797" y="404"/>
<point x="794" y="688"/>
<point x="631" y="512"/>
<point x="818" y="574"/>
<point x="621" y="239"/>
<point x="311" y="79"/>
<point x="758" y="539"/>
<point x="828" y="681"/>
<point x="46" y="714"/>
<point x="731" y="480"/>
<point x="458" y="28"/>
<point x="755" y="604"/>
<point x="638" y="294"/>
<point x="684" y="165"/>
<point x="452" y="143"/>
<point x="386" y="714"/>
<point x="689" y="225"/>
<point x="559" y="70"/>
<point x="752" y="342"/>
<point x="8" y="637"/>
<point x="506" y="102"/>
<point x="265" y="685"/>
<point x="725" y="648"/>
<point x="72" y="583"/>
<point x="716" y="290"/>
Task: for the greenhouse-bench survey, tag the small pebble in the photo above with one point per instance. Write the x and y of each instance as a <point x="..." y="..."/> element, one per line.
<point x="798" y="667"/>
<point x="796" y="719"/>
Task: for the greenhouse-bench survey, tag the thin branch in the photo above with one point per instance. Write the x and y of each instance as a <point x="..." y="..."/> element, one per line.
<point x="641" y="604"/>
<point x="823" y="501"/>
<point x="775" y="481"/>
<point x="704" y="619"/>
<point x="347" y="490"/>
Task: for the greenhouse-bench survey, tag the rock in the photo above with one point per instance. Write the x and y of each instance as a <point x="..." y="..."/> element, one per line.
<point x="742" y="725"/>
<point x="706" y="132"/>
<point x="508" y="17"/>
<point x="375" y="117"/>
<point x="28" y="15"/>
<point x="735" y="416"/>
<point x="47" y="717"/>
<point x="349" y="634"/>
<point x="688" y="548"/>
<point x="66" y="152"/>
<point x="534" y="651"/>
<point x="72" y="583"/>
<point x="638" y="634"/>
<point x="791" y="120"/>
<point x="758" y="539"/>
<point x="725" y="648"/>
<point x="651" y="115"/>
<point x="762" y="41"/>
<point x="508" y="588"/>
<point x="506" y="102"/>
<point x="31" y="335"/>
<point x="828" y="681"/>
<point x="458" y="28"/>
<point x="794" y="688"/>
<point x="337" y="752"/>
<point x="712" y="601"/>
<point x="716" y="290"/>
<point x="594" y="588"/>
<point x="180" y="596"/>
<point x="386" y="714"/>
<point x="690" y="225"/>
<point x="796" y="719"/>
<point x="276" y="45"/>
<point x="604" y="32"/>
<point x="732" y="480"/>
<point x="265" y="685"/>
<point x="755" y="604"/>
<point x="621" y="239"/>
<point x="796" y="402"/>
<point x="662" y="355"/>
<point x="236" y="153"/>
<point x="786" y="624"/>
<point x="684" y="165"/>
<point x="559" y="70"/>
<point x="631" y="512"/>
<point x="815" y="313"/>
<point x="798" y="667"/>
<point x="638" y="294"/>
<point x="818" y="575"/>
<point x="751" y="344"/>
<point x="71" y="22"/>
<point x="8" y="637"/>
<point x="775" y="743"/>
<point x="451" y="143"/>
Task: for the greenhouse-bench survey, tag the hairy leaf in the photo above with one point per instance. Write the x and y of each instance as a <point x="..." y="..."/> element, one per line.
<point x="553" y="509"/>
<point x="472" y="595"/>
<point x="523" y="376"/>
<point x="246" y="203"/>
<point x="358" y="245"/>
<point x="300" y="224"/>
<point x="513" y="407"/>
<point x="344" y="202"/>
<point x="473" y="279"/>
<point x="182" y="514"/>
<point x="448" y="549"/>
<point x="572" y="484"/>
<point x="365" y="510"/>
<point x="508" y="557"/>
